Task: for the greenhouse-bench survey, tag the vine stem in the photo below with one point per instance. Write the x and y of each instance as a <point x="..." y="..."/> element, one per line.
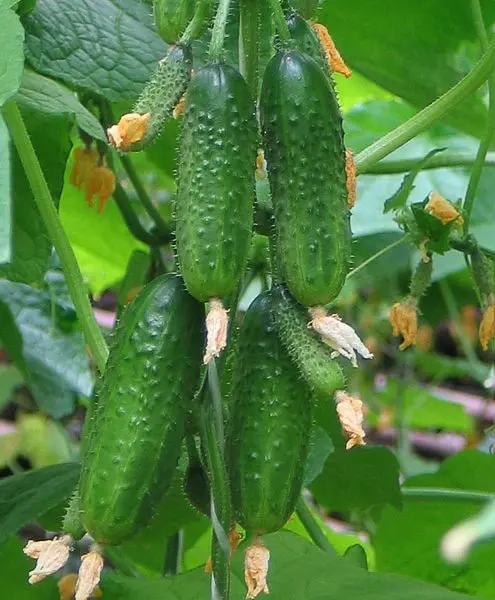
<point x="364" y="264"/>
<point x="314" y="530"/>
<point x="429" y="115"/>
<point x="279" y="20"/>
<point x="439" y="161"/>
<point x="194" y="28"/>
<point x="485" y="143"/>
<point x="218" y="33"/>
<point x="77" y="287"/>
<point x="249" y="42"/>
<point x="445" y="494"/>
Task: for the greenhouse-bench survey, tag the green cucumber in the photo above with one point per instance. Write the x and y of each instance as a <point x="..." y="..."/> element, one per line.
<point x="306" y="40"/>
<point x="171" y="18"/>
<point x="216" y="181"/>
<point x="305" y="153"/>
<point x="306" y="8"/>
<point x="135" y="434"/>
<point x="269" y="426"/>
<point x="310" y="355"/>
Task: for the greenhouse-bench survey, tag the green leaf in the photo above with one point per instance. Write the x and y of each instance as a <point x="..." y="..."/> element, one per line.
<point x="12" y="55"/>
<point x="416" y="50"/>
<point x="54" y="357"/>
<point x="362" y="478"/>
<point x="101" y="242"/>
<point x="432" y="229"/>
<point x="31" y="245"/>
<point x="43" y="441"/>
<point x="399" y="199"/>
<point x="116" y="55"/>
<point x="5" y="195"/>
<point x="23" y="498"/>
<point x="320" y="448"/>
<point x="424" y="521"/>
<point x="45" y="95"/>
<point x="298" y="571"/>
<point x="10" y="377"/>
<point x="446" y="367"/>
<point x="14" y="569"/>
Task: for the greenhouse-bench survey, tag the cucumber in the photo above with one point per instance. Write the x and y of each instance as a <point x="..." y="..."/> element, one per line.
<point x="135" y="434"/>
<point x="310" y="355"/>
<point x="171" y="18"/>
<point x="306" y="8"/>
<point x="306" y="41"/>
<point x="269" y="426"/>
<point x="305" y="153"/>
<point x="216" y="181"/>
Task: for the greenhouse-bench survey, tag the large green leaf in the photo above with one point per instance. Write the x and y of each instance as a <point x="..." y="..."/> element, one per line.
<point x="45" y="95"/>
<point x="107" y="46"/>
<point x="5" y="195"/>
<point x="53" y="358"/>
<point x="102" y="243"/>
<point x="362" y="478"/>
<point x="298" y="571"/>
<point x="416" y="50"/>
<point x="408" y="542"/>
<point x="30" y="244"/>
<point x="14" y="569"/>
<point x="12" y="55"/>
<point x="25" y="497"/>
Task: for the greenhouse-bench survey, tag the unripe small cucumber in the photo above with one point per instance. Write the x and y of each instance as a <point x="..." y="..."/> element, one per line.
<point x="305" y="153"/>
<point x="134" y="439"/>
<point x="216" y="181"/>
<point x="307" y="41"/>
<point x="269" y="426"/>
<point x="171" y="17"/>
<point x="310" y="355"/>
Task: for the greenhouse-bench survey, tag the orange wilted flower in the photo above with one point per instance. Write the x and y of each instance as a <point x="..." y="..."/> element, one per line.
<point x="442" y="209"/>
<point x="487" y="326"/>
<point x="404" y="320"/>
<point x="335" y="61"/>
<point x="101" y="184"/>
<point x="350" y="410"/>
<point x="85" y="161"/>
<point x="256" y="562"/>
<point x="424" y="338"/>
<point x="129" y="130"/>
<point x="179" y="107"/>
<point x="350" y="172"/>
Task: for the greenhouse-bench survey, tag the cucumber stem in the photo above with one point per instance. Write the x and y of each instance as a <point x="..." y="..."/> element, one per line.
<point x="196" y="24"/>
<point x="314" y="530"/>
<point x="485" y="143"/>
<point x="429" y="115"/>
<point x="218" y="33"/>
<point x="445" y="494"/>
<point x="249" y="42"/>
<point x="43" y="198"/>
<point x="280" y="22"/>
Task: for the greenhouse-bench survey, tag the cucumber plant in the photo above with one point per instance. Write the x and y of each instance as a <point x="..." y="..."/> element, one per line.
<point x="245" y="420"/>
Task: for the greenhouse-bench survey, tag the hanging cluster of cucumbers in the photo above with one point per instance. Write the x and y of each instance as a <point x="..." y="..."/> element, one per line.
<point x="248" y="449"/>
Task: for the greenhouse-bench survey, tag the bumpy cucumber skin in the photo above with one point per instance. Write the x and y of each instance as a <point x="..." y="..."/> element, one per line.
<point x="269" y="426"/>
<point x="305" y="153"/>
<point x="311" y="356"/>
<point x="135" y="438"/>
<point x="163" y="92"/>
<point x="216" y="181"/>
<point x="171" y="18"/>
<point x="306" y="8"/>
<point x="306" y="41"/>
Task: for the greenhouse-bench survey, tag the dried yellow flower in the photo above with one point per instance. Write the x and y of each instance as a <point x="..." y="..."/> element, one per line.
<point x="442" y="209"/>
<point x="101" y="184"/>
<point x="335" y="61"/>
<point x="85" y="161"/>
<point x="179" y="107"/>
<point x="350" y="412"/>
<point x="404" y="320"/>
<point x="50" y="555"/>
<point x="234" y="538"/>
<point x="385" y="419"/>
<point x="217" y="322"/>
<point x="424" y="338"/>
<point x="67" y="587"/>
<point x="350" y="172"/>
<point x="260" y="165"/>
<point x="256" y="562"/>
<point x="487" y="326"/>
<point x="469" y="322"/>
<point x="338" y="335"/>
<point x="129" y="130"/>
<point x="89" y="574"/>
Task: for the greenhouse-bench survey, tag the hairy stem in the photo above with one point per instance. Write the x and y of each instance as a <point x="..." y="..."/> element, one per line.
<point x="249" y="42"/>
<point x="77" y="287"/>
<point x="429" y="115"/>
<point x="279" y="20"/>
<point x="445" y="494"/>
<point x="485" y="143"/>
<point x="439" y="161"/>
<point x="218" y="33"/>
<point x="314" y="530"/>
<point x="195" y="27"/>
